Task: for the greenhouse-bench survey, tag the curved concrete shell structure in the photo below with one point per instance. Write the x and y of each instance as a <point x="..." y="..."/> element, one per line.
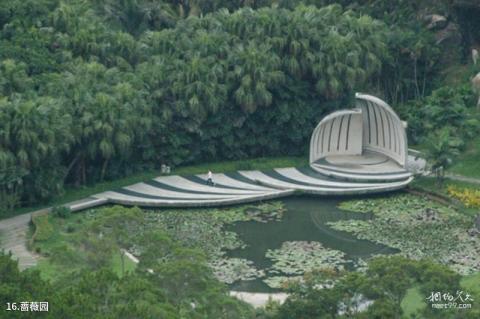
<point x="368" y="142"/>
<point x="339" y="133"/>
<point x="383" y="132"/>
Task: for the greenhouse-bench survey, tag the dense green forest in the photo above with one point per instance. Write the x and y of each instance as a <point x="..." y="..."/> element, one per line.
<point x="95" y="90"/>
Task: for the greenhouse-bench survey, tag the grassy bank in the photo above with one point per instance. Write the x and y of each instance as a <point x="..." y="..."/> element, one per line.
<point x="430" y="185"/>
<point x="415" y="301"/>
<point x="468" y="164"/>
<point x="73" y="194"/>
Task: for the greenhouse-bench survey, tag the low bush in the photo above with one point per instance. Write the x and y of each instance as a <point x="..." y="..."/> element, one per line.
<point x="61" y="211"/>
<point x="469" y="197"/>
<point x="43" y="227"/>
<point x="447" y="106"/>
<point x="244" y="166"/>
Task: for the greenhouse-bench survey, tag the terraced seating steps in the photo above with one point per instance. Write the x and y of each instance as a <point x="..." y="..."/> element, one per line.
<point x="242" y="187"/>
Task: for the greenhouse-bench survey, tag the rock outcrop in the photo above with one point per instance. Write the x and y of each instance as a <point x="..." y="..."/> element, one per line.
<point x="476" y="87"/>
<point x="447" y="34"/>
<point x="436" y="22"/>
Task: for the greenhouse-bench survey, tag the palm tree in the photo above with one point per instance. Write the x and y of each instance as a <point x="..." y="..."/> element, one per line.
<point x="256" y="72"/>
<point x="13" y="77"/>
<point x="442" y="148"/>
<point x="102" y="104"/>
<point x="197" y="86"/>
<point x="33" y="135"/>
<point x="110" y="133"/>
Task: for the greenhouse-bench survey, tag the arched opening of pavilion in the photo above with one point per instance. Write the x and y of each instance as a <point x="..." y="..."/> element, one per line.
<point x="368" y="142"/>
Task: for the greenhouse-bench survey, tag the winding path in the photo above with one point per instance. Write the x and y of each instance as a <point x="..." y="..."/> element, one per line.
<point x="13" y="238"/>
<point x="14" y="230"/>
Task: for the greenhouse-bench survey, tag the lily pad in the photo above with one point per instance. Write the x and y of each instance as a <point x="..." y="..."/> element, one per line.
<point x="229" y="270"/>
<point x="278" y="282"/>
<point x="298" y="257"/>
<point x="419" y="228"/>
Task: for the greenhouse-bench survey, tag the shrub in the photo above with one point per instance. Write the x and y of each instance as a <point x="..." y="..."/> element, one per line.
<point x="446" y="105"/>
<point x="469" y="197"/>
<point x="244" y="166"/>
<point x="61" y="211"/>
<point x="43" y="227"/>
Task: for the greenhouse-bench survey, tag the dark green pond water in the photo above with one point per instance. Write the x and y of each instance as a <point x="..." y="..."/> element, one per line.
<point x="305" y="220"/>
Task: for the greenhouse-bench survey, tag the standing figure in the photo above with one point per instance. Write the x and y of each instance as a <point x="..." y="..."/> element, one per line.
<point x="474" y="56"/>
<point x="209" y="178"/>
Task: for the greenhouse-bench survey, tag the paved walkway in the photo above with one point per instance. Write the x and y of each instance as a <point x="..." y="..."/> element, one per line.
<point x="13" y="232"/>
<point x="13" y="237"/>
<point x="463" y="178"/>
<point x="258" y="300"/>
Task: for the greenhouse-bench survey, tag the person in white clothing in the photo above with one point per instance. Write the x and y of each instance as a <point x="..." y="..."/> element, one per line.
<point x="209" y="178"/>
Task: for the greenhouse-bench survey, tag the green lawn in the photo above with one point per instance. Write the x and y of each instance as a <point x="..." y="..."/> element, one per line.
<point x="413" y="302"/>
<point x="50" y="271"/>
<point x="117" y="264"/>
<point x="64" y="241"/>
<point x="468" y="164"/>
<point x="430" y="184"/>
<point x="72" y="194"/>
<point x="471" y="284"/>
<point x="47" y="271"/>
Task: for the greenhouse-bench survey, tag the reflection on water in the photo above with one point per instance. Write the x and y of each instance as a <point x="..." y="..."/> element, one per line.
<point x="305" y="220"/>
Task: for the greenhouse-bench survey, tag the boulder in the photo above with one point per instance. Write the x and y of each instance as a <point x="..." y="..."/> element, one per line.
<point x="449" y="40"/>
<point x="476" y="87"/>
<point x="436" y="22"/>
<point x="450" y="35"/>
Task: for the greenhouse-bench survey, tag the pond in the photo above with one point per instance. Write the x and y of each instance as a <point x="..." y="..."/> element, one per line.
<point x="304" y="220"/>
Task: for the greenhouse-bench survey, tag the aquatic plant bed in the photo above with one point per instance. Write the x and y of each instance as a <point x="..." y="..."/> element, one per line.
<point x="419" y="228"/>
<point x="296" y="258"/>
<point x="264" y="246"/>
<point x="205" y="229"/>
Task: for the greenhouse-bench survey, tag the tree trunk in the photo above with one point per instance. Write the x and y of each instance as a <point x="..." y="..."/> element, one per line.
<point x="84" y="171"/>
<point x="424" y="84"/>
<point x="417" y="88"/>
<point x="71" y="166"/>
<point x="104" y="169"/>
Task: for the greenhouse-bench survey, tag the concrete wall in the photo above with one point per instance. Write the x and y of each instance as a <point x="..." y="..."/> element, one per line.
<point x="372" y="126"/>
<point x="339" y="133"/>
<point x="383" y="130"/>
